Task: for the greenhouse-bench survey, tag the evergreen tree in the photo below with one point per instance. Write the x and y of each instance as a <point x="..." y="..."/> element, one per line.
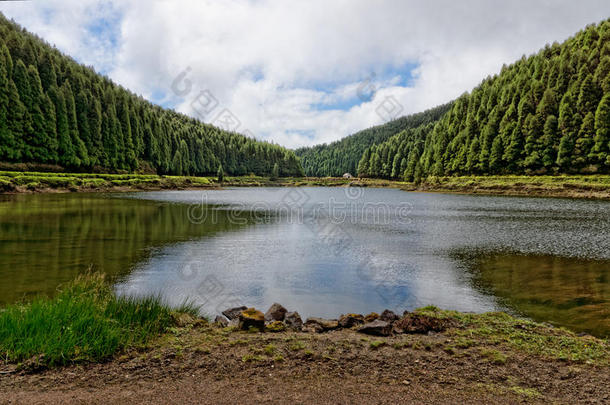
<point x="80" y="157"/>
<point x="26" y="130"/>
<point x="177" y="161"/>
<point x="16" y="123"/>
<point x="602" y="132"/>
<point x="495" y="159"/>
<point x="220" y="174"/>
<point x="39" y="140"/>
<point x="549" y="142"/>
<point x="8" y="144"/>
<point x="275" y="173"/>
<point x="65" y="148"/>
<point x="363" y="165"/>
<point x="568" y="121"/>
<point x="584" y="142"/>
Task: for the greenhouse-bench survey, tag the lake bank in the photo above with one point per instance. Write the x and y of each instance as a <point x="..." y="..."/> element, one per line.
<point x="474" y="358"/>
<point x="569" y="186"/>
<point x="488" y="358"/>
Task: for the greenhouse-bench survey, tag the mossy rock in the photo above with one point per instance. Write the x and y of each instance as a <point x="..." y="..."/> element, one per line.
<point x="251" y="317"/>
<point x="371" y="317"/>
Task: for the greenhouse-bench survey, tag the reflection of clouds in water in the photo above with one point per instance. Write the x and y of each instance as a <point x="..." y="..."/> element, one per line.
<point x="264" y="264"/>
<point x="400" y="265"/>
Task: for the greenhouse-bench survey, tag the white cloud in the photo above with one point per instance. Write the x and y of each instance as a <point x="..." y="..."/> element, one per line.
<point x="279" y="65"/>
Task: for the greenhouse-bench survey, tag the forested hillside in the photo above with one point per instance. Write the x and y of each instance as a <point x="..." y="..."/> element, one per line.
<point x="547" y="113"/>
<point x="343" y="156"/>
<point x="54" y="111"/>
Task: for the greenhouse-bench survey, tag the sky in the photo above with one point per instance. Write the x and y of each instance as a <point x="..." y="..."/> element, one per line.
<point x="300" y="73"/>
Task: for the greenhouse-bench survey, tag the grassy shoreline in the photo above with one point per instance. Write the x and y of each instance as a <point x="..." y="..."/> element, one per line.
<point x="571" y="186"/>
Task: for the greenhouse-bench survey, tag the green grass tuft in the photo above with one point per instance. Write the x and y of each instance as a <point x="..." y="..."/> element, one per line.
<point x="84" y="322"/>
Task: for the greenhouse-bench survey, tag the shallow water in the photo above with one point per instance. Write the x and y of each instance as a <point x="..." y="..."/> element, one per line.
<point x="321" y="251"/>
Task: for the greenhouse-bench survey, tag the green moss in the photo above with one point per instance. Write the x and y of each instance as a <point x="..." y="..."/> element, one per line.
<point x="276" y="326"/>
<point x="494" y="356"/>
<point x="377" y="344"/>
<point x="530" y="393"/>
<point x="297" y="345"/>
<point x="251" y="358"/>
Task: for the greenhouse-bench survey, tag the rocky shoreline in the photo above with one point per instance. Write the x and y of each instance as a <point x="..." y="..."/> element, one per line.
<point x="426" y="356"/>
<point x="279" y="319"/>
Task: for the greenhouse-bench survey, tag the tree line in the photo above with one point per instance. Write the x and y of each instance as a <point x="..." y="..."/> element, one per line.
<point x="545" y="114"/>
<point x="342" y="156"/>
<point x="56" y="111"/>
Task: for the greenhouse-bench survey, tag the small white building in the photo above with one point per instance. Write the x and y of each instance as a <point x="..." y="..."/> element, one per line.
<point x="348" y="176"/>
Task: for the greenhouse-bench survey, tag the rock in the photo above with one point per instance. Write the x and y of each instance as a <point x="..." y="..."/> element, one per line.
<point x="293" y="320"/>
<point x="312" y="328"/>
<point x="251" y="318"/>
<point x="233" y="313"/>
<point x="377" y="328"/>
<point x="371" y="317"/>
<point x="389" y="316"/>
<point x="275" y="313"/>
<point x="351" y="320"/>
<point x="221" y="321"/>
<point x="418" y="323"/>
<point x="320" y="325"/>
<point x="275" y="326"/>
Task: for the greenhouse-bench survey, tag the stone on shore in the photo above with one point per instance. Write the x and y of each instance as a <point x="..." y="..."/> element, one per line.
<point x="350" y="320"/>
<point x="233" y="313"/>
<point x="377" y="328"/>
<point x="419" y="323"/>
<point x="251" y="318"/>
<point x="221" y="321"/>
<point x="319" y="325"/>
<point x="293" y="320"/>
<point x="388" y="316"/>
<point x="275" y="313"/>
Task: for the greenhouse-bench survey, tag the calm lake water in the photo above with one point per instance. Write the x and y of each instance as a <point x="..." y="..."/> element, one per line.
<point x="321" y="251"/>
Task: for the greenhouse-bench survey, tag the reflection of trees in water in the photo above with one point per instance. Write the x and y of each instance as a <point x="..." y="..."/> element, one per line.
<point x="565" y="291"/>
<point x="48" y="239"/>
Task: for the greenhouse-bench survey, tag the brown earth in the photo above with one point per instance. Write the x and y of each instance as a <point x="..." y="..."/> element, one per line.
<point x="212" y="365"/>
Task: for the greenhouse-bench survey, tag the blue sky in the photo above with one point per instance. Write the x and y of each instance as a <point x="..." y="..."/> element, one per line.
<point x="301" y="73"/>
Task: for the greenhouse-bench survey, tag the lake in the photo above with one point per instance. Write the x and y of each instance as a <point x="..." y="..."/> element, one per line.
<point x="321" y="251"/>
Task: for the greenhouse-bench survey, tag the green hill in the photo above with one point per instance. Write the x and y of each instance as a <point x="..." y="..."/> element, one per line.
<point x="342" y="156"/>
<point x="547" y="113"/>
<point x="54" y="111"/>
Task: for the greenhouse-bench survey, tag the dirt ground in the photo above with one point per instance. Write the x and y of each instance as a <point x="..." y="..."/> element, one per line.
<point x="216" y="366"/>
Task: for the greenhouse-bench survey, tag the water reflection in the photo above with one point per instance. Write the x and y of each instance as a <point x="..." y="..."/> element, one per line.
<point x="564" y="291"/>
<point x="47" y="239"/>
